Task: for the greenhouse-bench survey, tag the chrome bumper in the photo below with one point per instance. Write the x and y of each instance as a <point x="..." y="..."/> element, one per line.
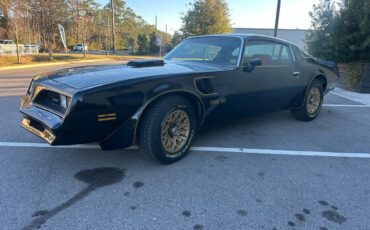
<point x="37" y="121"/>
<point x="45" y="134"/>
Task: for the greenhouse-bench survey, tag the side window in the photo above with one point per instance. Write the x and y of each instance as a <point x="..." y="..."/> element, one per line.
<point x="285" y="53"/>
<point x="270" y="53"/>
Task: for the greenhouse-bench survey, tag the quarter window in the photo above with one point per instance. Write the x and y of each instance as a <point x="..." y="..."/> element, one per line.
<point x="270" y="53"/>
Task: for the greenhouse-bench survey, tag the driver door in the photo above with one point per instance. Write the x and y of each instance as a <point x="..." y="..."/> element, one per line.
<point x="269" y="86"/>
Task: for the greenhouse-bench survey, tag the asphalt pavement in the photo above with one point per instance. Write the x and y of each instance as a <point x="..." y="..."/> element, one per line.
<point x="14" y="82"/>
<point x="265" y="172"/>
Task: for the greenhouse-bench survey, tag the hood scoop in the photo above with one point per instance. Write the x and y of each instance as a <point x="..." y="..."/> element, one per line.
<point x="146" y="63"/>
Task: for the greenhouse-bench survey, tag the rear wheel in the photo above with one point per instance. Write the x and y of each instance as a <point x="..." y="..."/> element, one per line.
<point x="167" y="129"/>
<point x="313" y="103"/>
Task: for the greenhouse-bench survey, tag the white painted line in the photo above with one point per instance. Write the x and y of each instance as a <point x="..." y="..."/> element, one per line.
<point x="339" y="105"/>
<point x="44" y="145"/>
<point x="281" y="152"/>
<point x="207" y="149"/>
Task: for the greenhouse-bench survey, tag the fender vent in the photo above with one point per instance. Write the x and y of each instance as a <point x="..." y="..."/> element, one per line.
<point x="146" y="63"/>
<point x="204" y="86"/>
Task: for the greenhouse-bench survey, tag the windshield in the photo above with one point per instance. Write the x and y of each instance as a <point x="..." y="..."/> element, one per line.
<point x="214" y="50"/>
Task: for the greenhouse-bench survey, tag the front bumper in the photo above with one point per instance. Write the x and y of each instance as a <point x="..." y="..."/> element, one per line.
<point x="75" y="128"/>
<point x="45" y="134"/>
<point x="40" y="122"/>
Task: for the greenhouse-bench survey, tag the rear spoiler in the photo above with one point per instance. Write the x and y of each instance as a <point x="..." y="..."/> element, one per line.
<point x="330" y="64"/>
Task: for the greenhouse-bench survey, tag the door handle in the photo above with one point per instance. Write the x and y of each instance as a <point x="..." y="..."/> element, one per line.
<point x="296" y="74"/>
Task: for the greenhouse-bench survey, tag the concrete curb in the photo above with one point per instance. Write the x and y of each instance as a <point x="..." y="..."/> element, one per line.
<point x="362" y="98"/>
<point x="52" y="64"/>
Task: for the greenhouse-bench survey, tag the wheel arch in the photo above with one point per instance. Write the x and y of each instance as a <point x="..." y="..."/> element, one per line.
<point x="321" y="77"/>
<point x="193" y="99"/>
<point x="300" y="100"/>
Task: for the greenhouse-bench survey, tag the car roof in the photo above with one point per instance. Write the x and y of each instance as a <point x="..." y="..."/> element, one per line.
<point x="247" y="36"/>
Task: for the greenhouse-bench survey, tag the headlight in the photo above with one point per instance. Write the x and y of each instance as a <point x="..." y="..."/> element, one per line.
<point x="64" y="101"/>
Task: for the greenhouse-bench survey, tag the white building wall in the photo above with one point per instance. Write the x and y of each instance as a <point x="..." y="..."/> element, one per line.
<point x="295" y="36"/>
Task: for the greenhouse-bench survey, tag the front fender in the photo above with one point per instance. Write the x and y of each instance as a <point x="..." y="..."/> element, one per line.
<point x="125" y="134"/>
<point x="122" y="137"/>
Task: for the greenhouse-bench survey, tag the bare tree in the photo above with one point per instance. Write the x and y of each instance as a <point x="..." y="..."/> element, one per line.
<point x="12" y="13"/>
<point x="36" y="21"/>
<point x="51" y="13"/>
<point x="86" y="27"/>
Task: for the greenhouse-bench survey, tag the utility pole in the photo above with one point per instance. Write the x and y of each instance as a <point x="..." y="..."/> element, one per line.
<point x="78" y="20"/>
<point x="108" y="43"/>
<point x="158" y="36"/>
<point x="156" y="24"/>
<point x="277" y="18"/>
<point x="113" y="29"/>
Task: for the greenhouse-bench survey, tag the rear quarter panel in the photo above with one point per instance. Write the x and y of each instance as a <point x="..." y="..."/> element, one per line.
<point x="309" y="70"/>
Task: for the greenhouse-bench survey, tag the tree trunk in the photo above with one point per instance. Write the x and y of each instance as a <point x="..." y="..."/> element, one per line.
<point x="50" y="49"/>
<point x="84" y="47"/>
<point x="17" y="48"/>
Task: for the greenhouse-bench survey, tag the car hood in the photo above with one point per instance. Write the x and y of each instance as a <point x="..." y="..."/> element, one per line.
<point x="90" y="76"/>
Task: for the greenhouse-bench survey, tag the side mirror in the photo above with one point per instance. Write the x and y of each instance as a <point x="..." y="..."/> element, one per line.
<point x="252" y="64"/>
<point x="255" y="62"/>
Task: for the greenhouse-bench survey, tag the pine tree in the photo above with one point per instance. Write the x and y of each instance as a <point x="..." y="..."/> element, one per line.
<point x="340" y="35"/>
<point x="142" y="42"/>
<point x="153" y="47"/>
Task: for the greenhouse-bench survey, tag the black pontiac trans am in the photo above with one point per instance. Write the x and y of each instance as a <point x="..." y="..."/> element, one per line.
<point x="160" y="104"/>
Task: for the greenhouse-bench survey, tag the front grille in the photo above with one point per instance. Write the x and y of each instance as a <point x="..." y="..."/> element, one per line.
<point x="52" y="101"/>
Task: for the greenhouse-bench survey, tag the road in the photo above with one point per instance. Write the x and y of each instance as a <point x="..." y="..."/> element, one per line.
<point x="266" y="172"/>
<point x="15" y="82"/>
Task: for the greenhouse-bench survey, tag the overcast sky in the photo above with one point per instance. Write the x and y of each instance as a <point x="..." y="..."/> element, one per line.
<point x="244" y="13"/>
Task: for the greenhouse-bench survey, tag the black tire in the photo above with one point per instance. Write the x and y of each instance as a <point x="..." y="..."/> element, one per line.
<point x="303" y="114"/>
<point x="150" y="129"/>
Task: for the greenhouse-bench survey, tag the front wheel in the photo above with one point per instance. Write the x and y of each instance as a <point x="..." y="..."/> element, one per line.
<point x="313" y="103"/>
<point x="167" y="129"/>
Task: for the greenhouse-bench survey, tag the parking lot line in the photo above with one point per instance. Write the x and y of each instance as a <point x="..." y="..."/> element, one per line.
<point x="207" y="149"/>
<point x="44" y="145"/>
<point x="281" y="152"/>
<point x="339" y="105"/>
